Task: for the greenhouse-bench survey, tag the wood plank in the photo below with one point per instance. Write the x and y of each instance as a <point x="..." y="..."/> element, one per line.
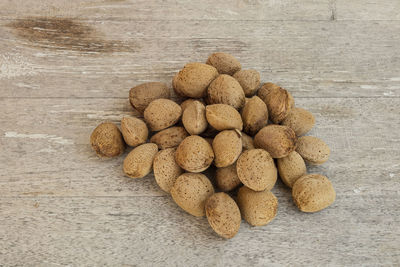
<point x="367" y="10"/>
<point x="311" y="59"/>
<point x="47" y="151"/>
<point x="170" y="10"/>
<point x="138" y="231"/>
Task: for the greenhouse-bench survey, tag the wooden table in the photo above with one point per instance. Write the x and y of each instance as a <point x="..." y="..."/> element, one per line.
<point x="66" y="66"/>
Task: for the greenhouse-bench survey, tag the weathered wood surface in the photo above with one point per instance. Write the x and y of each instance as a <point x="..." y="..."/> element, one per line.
<point x="312" y="59"/>
<point x="65" y="66"/>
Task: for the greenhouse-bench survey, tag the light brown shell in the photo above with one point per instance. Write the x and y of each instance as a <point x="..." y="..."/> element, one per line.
<point x="227" y="178"/>
<point x="313" y="150"/>
<point x="134" y="131"/>
<point x="254" y="115"/>
<point x="139" y="161"/>
<point x="224" y="63"/>
<point x="300" y="120"/>
<point x="190" y="192"/>
<point x="249" y="80"/>
<point x="194" y="154"/>
<point x="170" y="137"/>
<point x="256" y="169"/>
<point x="291" y="168"/>
<point x="223" y="117"/>
<point x="194" y="118"/>
<point x="162" y="113"/>
<point x="141" y="95"/>
<point x="223" y="215"/>
<point x="193" y="80"/>
<point x="278" y="140"/>
<point x="247" y="142"/>
<point x="257" y="208"/>
<point x="188" y="101"/>
<point x="227" y="146"/>
<point x="107" y="141"/>
<point x="279" y="101"/>
<point x="166" y="170"/>
<point x="226" y="90"/>
<point x="313" y="192"/>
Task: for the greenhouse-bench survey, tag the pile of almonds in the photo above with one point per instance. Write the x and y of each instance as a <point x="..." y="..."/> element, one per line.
<point x="249" y="134"/>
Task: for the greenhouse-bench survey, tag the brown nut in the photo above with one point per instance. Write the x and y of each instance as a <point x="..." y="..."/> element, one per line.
<point x="194" y="118"/>
<point x="193" y="79"/>
<point x="170" y="137"/>
<point x="225" y="90"/>
<point x="257" y="208"/>
<point x="313" y="150"/>
<point x="278" y="100"/>
<point x="188" y="101"/>
<point x="247" y="142"/>
<point x="194" y="154"/>
<point x="134" y="131"/>
<point x="140" y="96"/>
<point x="227" y="178"/>
<point x="162" y="113"/>
<point x="313" y="192"/>
<point x="227" y="146"/>
<point x="278" y="140"/>
<point x="107" y="141"/>
<point x="223" y="215"/>
<point x="291" y="168"/>
<point x="166" y="170"/>
<point x="190" y="192"/>
<point x="300" y="120"/>
<point x="254" y="115"/>
<point x="249" y="80"/>
<point x="256" y="169"/>
<point x="223" y="117"/>
<point x="224" y="63"/>
<point x="139" y="161"/>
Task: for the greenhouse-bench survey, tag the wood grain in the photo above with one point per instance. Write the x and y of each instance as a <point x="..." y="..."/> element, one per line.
<point x="66" y="66"/>
<point x="341" y="59"/>
<point x="171" y="10"/>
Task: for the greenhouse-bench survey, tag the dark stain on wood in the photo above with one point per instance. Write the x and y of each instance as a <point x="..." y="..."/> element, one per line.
<point x="66" y="34"/>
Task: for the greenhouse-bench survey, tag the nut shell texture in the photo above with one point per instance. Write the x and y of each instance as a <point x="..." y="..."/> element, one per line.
<point x="257" y="208"/>
<point x="278" y="100"/>
<point x="142" y="95"/>
<point x="313" y="150"/>
<point x="227" y="178"/>
<point x="170" y="137"/>
<point x="256" y="169"/>
<point x="247" y="142"/>
<point x="223" y="117"/>
<point x="278" y="140"/>
<point x="227" y="146"/>
<point x="223" y="215"/>
<point x="134" y="131"/>
<point x="194" y="154"/>
<point x="226" y="90"/>
<point x="193" y="80"/>
<point x="166" y="170"/>
<point x="191" y="191"/>
<point x="162" y="113"/>
<point x="300" y="120"/>
<point x="194" y="118"/>
<point x="107" y="141"/>
<point x="139" y="161"/>
<point x="291" y="168"/>
<point x="254" y="115"/>
<point x="249" y="80"/>
<point x="313" y="192"/>
<point x="224" y="63"/>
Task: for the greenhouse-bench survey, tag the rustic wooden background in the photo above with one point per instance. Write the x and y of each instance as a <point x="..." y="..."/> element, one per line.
<point x="66" y="66"/>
